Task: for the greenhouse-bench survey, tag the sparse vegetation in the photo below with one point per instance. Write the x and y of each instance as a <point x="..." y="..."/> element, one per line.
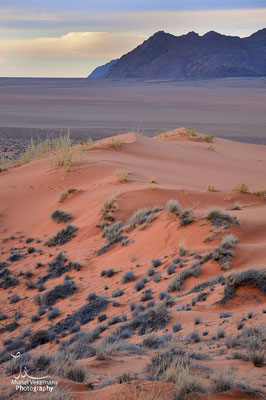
<point x="260" y="192"/>
<point x="62" y="291"/>
<point x="209" y="138"/>
<point x="210" y="188"/>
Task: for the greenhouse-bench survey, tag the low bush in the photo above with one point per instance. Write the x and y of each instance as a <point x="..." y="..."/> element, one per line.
<point x="14" y="299"/>
<point x="142" y="218"/>
<point x="118" y="293"/>
<point x="62" y="237"/>
<point x="60" y="216"/>
<point x="140" y="284"/>
<point x="218" y="218"/>
<point x="147" y="295"/>
<point x="186" y="218"/>
<point x="156" y="262"/>
<point x="173" y="207"/>
<point x="62" y="291"/>
<point x="193" y="337"/>
<point x="128" y="276"/>
<point x="223" y="253"/>
<point x="176" y="327"/>
<point x="53" y="313"/>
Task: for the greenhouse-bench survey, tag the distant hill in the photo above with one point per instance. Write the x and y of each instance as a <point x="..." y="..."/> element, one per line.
<point x="100" y="71"/>
<point x="192" y="56"/>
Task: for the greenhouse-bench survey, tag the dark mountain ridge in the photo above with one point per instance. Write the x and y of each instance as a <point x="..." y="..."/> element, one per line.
<point x="212" y="55"/>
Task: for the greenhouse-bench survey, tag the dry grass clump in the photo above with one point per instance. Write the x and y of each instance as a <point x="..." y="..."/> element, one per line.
<point x="109" y="207"/>
<point x="209" y="138"/>
<point x="173" y="207"/>
<point x="219" y="218"/>
<point x="210" y="188"/>
<point x="66" y="194"/>
<point x="186" y="217"/>
<point x="142" y="218"/>
<point x="178" y="281"/>
<point x="235" y="206"/>
<point x="223" y="253"/>
<point x="260" y="192"/>
<point x="221" y="381"/>
<point x="65" y="155"/>
<point x="117" y="143"/>
<point x="121" y="175"/>
<point x="242" y="187"/>
<point x="62" y="237"/>
<point x="253" y="276"/>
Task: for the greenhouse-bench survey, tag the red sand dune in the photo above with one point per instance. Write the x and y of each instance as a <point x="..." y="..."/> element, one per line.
<point x="182" y="169"/>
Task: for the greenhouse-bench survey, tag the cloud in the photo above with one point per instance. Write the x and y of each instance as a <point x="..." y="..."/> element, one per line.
<point x="73" y="45"/>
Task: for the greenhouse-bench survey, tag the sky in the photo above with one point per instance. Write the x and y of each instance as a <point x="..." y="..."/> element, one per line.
<point x="69" y="38"/>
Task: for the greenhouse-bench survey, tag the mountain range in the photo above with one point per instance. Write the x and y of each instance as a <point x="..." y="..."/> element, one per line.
<point x="213" y="55"/>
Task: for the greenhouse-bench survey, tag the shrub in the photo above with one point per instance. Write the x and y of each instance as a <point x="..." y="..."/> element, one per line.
<point x="186" y="218"/>
<point x="91" y="296"/>
<point x="156" y="262"/>
<point x="218" y="218"/>
<point x="35" y="318"/>
<point x="254" y="276"/>
<point x="197" y="321"/>
<point x="142" y="218"/>
<point x="210" y="188"/>
<point x="162" y="295"/>
<point x="31" y="250"/>
<point x="178" y="281"/>
<point x="60" y="216"/>
<point x="242" y="188"/>
<point x="176" y="327"/>
<point x="3" y="317"/>
<point x="62" y="237"/>
<point x="223" y="253"/>
<point x="225" y="314"/>
<point x="171" y="269"/>
<point x="240" y="325"/>
<point x="128" y="276"/>
<point x="31" y="285"/>
<point x="118" y="293"/>
<point x="112" y="234"/>
<point x="220" y="333"/>
<point x="154" y="318"/>
<point x="182" y="250"/>
<point x="151" y="303"/>
<point x="17" y="315"/>
<point x="41" y="310"/>
<point x="53" y="313"/>
<point x="147" y="295"/>
<point x="193" y="337"/>
<point x="110" y="272"/>
<point x="221" y="381"/>
<point x="257" y="357"/>
<point x="140" y="284"/>
<point x="156" y="277"/>
<point x="173" y="207"/>
<point x="14" y="299"/>
<point x="63" y="291"/>
<point x="150" y="271"/>
<point x="155" y="342"/>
